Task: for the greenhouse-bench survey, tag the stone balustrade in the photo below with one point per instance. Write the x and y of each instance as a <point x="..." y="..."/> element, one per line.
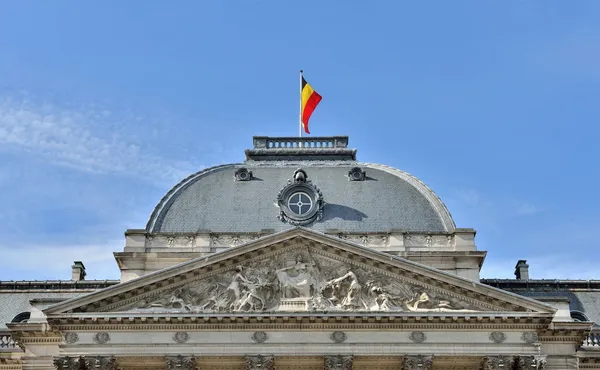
<point x="8" y="343"/>
<point x="333" y="142"/>
<point x="592" y="339"/>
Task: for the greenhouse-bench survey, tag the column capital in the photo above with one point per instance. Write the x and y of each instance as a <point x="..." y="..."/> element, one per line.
<point x="180" y="362"/>
<point x="338" y="362"/>
<point x="418" y="362"/>
<point x="68" y="363"/>
<point x="100" y="362"/>
<point x="260" y="362"/>
<point x="530" y="362"/>
<point x="498" y="362"/>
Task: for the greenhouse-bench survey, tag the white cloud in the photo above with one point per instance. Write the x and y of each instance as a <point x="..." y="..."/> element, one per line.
<point x="86" y="138"/>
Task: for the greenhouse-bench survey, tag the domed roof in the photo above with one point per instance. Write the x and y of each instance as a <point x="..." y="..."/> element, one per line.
<point x="332" y="191"/>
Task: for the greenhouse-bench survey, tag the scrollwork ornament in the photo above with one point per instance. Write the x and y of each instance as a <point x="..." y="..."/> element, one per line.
<point x="181" y="363"/>
<point x="419" y="362"/>
<point x="260" y="362"/>
<point x="338" y="336"/>
<point x="102" y="338"/>
<point x="417" y="336"/>
<point x="101" y="363"/>
<point x="69" y="363"/>
<point x="497" y="337"/>
<point x="338" y="362"/>
<point x="260" y="337"/>
<point x="498" y="362"/>
<point x="71" y="338"/>
<point x="529" y="337"/>
<point x="181" y="337"/>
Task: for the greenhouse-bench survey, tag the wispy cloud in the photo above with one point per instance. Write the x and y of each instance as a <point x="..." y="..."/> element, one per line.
<point x="86" y="138"/>
<point x="526" y="208"/>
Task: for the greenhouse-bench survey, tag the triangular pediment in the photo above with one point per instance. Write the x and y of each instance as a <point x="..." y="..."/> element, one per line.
<point x="299" y="270"/>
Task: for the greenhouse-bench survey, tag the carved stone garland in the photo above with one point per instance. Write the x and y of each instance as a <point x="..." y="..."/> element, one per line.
<point x="338" y="362"/>
<point x="260" y="362"/>
<point x="419" y="362"/>
<point x="181" y="363"/>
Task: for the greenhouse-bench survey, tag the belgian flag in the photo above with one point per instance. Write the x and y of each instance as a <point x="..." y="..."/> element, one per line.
<point x="309" y="101"/>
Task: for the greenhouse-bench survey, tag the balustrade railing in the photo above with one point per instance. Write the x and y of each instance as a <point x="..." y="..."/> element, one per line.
<point x="333" y="142"/>
<point x="593" y="339"/>
<point x="7" y="342"/>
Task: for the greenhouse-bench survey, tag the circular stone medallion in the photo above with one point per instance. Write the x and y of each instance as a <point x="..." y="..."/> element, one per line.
<point x="417" y="336"/>
<point x="260" y="337"/>
<point x="101" y="338"/>
<point x="181" y="337"/>
<point x="71" y="338"/>
<point x="338" y="336"/>
<point x="529" y="337"/>
<point x="497" y="337"/>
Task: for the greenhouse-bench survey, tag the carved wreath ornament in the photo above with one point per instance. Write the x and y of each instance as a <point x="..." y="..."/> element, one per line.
<point x="300" y="202"/>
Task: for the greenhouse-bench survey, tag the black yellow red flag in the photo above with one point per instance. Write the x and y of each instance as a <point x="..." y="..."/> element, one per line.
<point x="310" y="99"/>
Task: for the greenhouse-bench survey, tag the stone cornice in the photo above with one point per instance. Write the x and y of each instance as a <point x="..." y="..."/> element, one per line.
<point x="301" y="321"/>
<point x="131" y="291"/>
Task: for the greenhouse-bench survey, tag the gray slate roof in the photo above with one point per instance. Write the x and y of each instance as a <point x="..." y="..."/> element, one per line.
<point x="389" y="199"/>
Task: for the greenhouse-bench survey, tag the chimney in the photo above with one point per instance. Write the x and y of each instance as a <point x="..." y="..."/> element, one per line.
<point x="77" y="271"/>
<point x="522" y="270"/>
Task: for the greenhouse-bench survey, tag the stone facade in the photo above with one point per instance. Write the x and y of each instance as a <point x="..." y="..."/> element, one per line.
<point x="299" y="296"/>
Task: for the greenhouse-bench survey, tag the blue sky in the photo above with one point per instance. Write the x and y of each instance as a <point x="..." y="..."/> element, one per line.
<point x="105" y="105"/>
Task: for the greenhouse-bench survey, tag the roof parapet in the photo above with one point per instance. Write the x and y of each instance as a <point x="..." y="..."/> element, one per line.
<point x="317" y="148"/>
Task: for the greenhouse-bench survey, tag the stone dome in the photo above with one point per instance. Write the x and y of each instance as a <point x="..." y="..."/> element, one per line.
<point x="314" y="182"/>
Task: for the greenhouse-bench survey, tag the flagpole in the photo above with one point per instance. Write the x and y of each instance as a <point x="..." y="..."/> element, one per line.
<point x="300" y="114"/>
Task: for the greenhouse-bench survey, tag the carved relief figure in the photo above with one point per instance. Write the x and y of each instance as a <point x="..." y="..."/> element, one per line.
<point x="296" y="280"/>
<point x="316" y="283"/>
<point x="352" y="288"/>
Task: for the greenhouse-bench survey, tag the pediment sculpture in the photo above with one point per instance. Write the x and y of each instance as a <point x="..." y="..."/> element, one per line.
<point x="300" y="280"/>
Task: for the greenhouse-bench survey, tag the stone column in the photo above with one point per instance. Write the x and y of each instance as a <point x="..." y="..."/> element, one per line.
<point x="338" y="362"/>
<point x="530" y="362"/>
<point x="259" y="362"/>
<point x="419" y="362"/>
<point x="498" y="362"/>
<point x="181" y="363"/>
<point x="100" y="363"/>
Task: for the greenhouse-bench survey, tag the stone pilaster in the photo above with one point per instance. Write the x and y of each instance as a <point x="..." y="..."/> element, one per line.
<point x="498" y="362"/>
<point x="180" y="363"/>
<point x="69" y="363"/>
<point x="419" y="362"/>
<point x="259" y="362"/>
<point x="338" y="362"/>
<point x="100" y="363"/>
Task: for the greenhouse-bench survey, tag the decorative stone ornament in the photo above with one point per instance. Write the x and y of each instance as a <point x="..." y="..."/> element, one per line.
<point x="71" y="338"/>
<point x="69" y="363"/>
<point x="419" y="362"/>
<point x="260" y="362"/>
<point x="181" y="337"/>
<point x="242" y="174"/>
<point x="101" y="363"/>
<point x="260" y="337"/>
<point x="417" y="336"/>
<point x="338" y="336"/>
<point x="529" y="337"/>
<point x="180" y="363"/>
<point x="338" y="362"/>
<point x="498" y="363"/>
<point x="497" y="337"/>
<point x="101" y="338"/>
<point x="357" y="174"/>
<point x="300" y="202"/>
